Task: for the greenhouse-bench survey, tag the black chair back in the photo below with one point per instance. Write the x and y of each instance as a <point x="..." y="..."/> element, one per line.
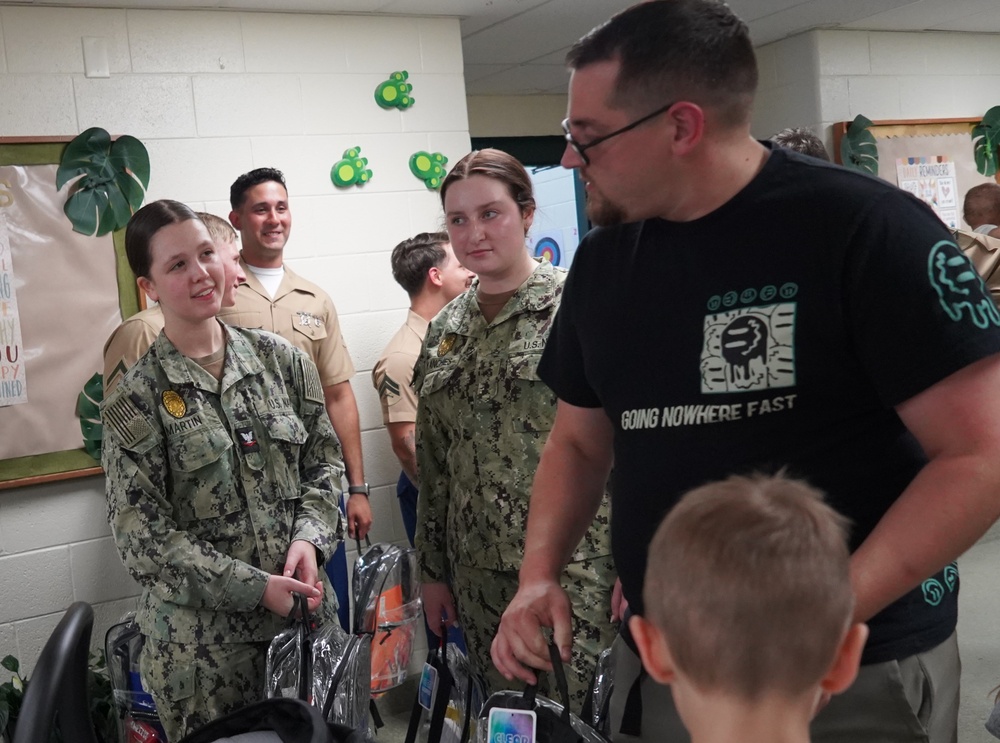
<point x="57" y="688"/>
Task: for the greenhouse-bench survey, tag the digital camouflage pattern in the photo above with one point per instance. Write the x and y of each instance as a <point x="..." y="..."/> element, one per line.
<point x="209" y="482"/>
<point x="483" y="418"/>
<point x="481" y="596"/>
<point x="193" y="685"/>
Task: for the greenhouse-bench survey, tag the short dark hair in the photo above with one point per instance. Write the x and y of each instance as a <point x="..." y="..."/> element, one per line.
<point x="415" y="256"/>
<point x="238" y="191"/>
<point x="145" y="223"/>
<point x="801" y="140"/>
<point x="982" y="205"/>
<point x="500" y="166"/>
<point x="674" y="50"/>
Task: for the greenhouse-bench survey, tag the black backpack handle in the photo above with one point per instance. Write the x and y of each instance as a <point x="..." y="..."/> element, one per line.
<point x="562" y="687"/>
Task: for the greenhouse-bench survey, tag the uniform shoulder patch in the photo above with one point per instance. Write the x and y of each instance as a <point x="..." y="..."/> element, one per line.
<point x="312" y="388"/>
<point x="124" y="418"/>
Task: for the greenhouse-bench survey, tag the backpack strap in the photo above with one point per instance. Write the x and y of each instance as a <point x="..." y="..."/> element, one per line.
<point x="436" y="659"/>
<point x="305" y="654"/>
<point x="445" y="683"/>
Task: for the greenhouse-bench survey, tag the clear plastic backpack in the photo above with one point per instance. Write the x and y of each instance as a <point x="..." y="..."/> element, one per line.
<point x="137" y="716"/>
<point x="324" y="666"/>
<point x="387" y="607"/>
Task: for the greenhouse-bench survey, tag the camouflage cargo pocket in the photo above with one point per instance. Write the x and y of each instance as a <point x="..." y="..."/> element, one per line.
<point x="531" y="402"/>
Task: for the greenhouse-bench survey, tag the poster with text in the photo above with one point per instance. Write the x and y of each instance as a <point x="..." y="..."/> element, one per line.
<point x="13" y="383"/>
<point x="933" y="180"/>
<point x="66" y="287"/>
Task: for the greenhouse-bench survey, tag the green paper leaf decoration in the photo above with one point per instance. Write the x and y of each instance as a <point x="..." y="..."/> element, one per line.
<point x="428" y="167"/>
<point x="351" y="170"/>
<point x="88" y="409"/>
<point x="395" y="92"/>
<point x="115" y="179"/>
<point x="986" y="141"/>
<point x="858" y="149"/>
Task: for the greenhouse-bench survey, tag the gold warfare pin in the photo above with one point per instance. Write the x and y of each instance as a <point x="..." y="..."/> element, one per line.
<point x="447" y="343"/>
<point x="174" y="404"/>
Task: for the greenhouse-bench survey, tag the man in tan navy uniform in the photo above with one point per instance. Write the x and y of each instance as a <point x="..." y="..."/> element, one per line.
<point x="981" y="242"/>
<point x="426" y="267"/>
<point x="275" y="298"/>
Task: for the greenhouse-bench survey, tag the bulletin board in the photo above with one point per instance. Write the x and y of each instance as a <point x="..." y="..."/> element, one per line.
<point x="61" y="296"/>
<point x="927" y="146"/>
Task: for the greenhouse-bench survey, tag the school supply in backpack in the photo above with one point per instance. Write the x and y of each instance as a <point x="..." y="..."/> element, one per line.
<point x="550" y="721"/>
<point x="138" y="721"/>
<point x="449" y="697"/>
<point x="387" y="606"/>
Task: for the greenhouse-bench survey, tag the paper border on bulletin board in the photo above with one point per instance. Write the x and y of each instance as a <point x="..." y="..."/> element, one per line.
<point x="71" y="293"/>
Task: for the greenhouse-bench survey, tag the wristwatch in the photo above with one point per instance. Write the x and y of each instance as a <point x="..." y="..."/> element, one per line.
<point x="359" y="490"/>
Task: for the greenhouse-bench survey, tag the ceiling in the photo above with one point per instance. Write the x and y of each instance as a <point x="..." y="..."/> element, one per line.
<point x="516" y="47"/>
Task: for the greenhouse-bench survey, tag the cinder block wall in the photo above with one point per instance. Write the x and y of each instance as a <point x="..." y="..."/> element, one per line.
<point x="213" y="94"/>
<point x="821" y="77"/>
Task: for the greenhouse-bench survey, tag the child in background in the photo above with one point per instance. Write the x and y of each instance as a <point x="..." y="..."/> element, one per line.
<point x="749" y="609"/>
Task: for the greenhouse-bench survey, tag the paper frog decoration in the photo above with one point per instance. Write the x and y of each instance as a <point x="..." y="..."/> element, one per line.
<point x="395" y="92"/>
<point x="428" y="167"/>
<point x="351" y="170"/>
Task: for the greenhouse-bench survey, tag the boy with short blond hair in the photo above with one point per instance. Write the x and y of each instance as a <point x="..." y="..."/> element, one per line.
<point x="749" y="609"/>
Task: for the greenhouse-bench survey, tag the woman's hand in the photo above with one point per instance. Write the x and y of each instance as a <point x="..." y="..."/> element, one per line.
<point x="300" y="562"/>
<point x="438" y="605"/>
<point x="278" y="598"/>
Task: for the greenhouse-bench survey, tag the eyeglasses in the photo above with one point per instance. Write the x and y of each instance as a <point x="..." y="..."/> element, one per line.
<point x="581" y="149"/>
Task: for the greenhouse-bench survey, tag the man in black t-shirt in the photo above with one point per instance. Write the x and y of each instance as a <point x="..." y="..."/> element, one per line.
<point x="746" y="309"/>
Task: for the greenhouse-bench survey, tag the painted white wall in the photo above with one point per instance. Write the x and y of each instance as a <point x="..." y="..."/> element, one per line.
<point x="818" y="78"/>
<point x="213" y="94"/>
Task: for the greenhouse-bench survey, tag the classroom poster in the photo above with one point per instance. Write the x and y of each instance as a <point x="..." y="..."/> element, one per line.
<point x="933" y="180"/>
<point x="13" y="384"/>
<point x="67" y="306"/>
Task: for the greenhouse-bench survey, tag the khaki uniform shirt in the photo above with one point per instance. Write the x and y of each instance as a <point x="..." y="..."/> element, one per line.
<point x="209" y="482"/>
<point x="393" y="373"/>
<point x="301" y="313"/>
<point x="128" y="343"/>
<point x="483" y="419"/>
<point x="984" y="252"/>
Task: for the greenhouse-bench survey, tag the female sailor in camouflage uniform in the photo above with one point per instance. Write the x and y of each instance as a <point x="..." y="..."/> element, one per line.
<point x="222" y="474"/>
<point x="483" y="417"/>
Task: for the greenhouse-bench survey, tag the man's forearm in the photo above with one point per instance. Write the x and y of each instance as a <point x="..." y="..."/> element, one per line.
<point x="404" y="446"/>
<point x="343" y="411"/>
<point x="951" y="502"/>
<point x="947" y="507"/>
